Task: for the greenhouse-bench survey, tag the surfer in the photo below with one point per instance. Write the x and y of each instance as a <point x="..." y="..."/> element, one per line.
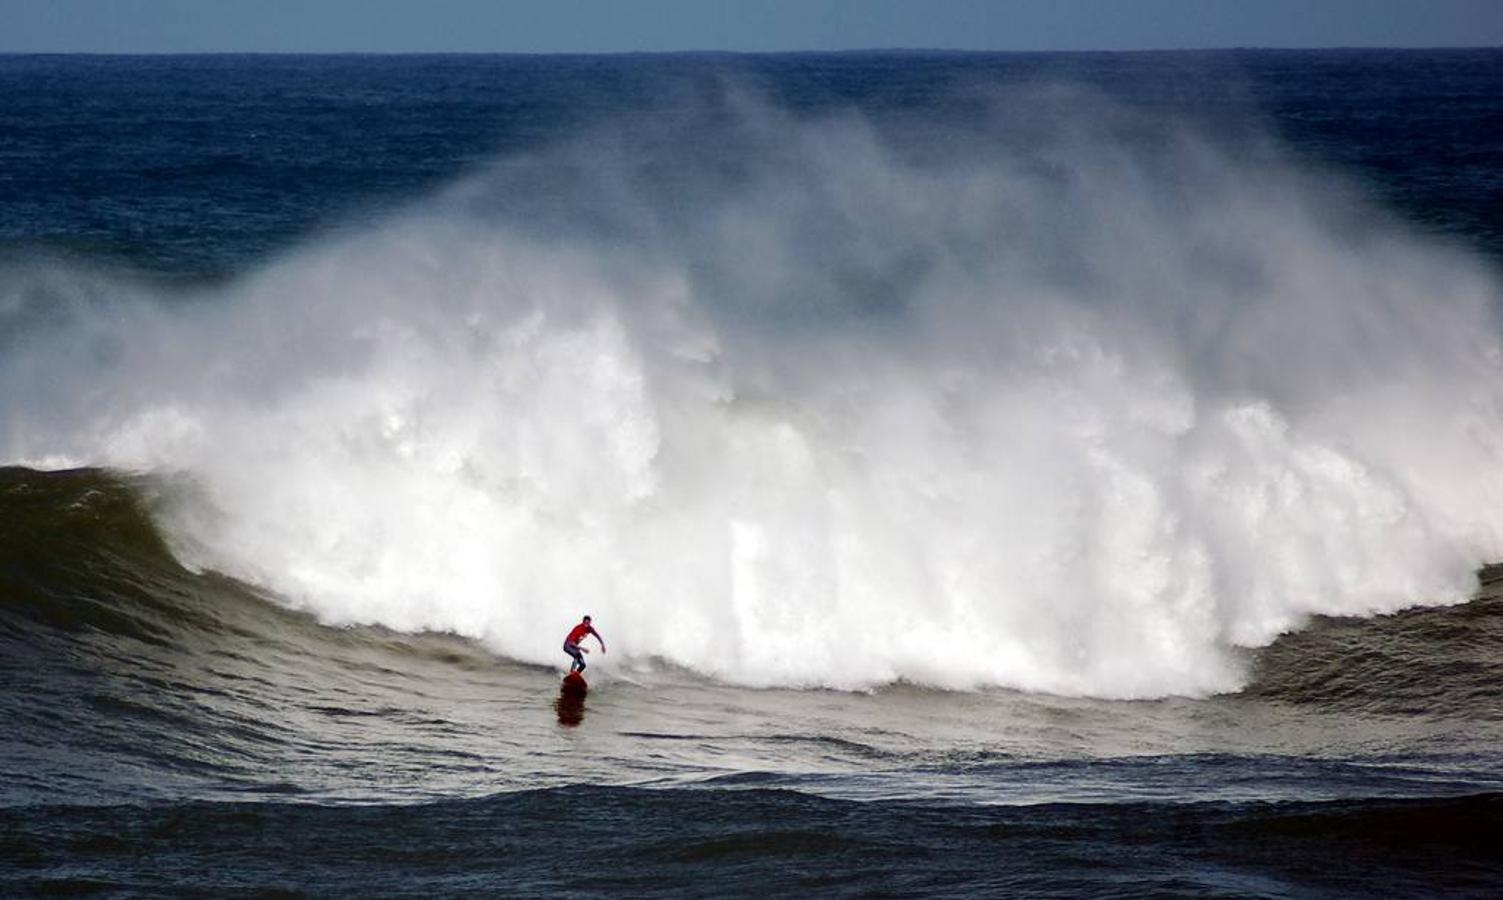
<point x="571" y="643"/>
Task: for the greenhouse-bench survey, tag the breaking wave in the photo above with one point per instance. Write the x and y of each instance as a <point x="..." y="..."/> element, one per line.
<point x="1063" y="396"/>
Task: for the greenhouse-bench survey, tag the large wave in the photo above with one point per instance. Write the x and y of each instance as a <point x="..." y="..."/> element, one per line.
<point x="1065" y="396"/>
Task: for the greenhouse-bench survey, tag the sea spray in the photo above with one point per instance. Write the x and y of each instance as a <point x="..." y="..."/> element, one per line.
<point x="1079" y="402"/>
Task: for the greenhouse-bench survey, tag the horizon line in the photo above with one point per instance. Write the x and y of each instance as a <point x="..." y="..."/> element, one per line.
<point x="1234" y="48"/>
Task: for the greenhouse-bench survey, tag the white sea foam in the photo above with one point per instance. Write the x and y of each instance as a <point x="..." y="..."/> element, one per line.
<point x="1067" y="414"/>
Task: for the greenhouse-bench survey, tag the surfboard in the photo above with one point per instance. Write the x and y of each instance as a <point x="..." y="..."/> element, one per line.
<point x="575" y="685"/>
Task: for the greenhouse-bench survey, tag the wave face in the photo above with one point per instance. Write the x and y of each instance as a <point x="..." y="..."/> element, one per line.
<point x="1053" y="392"/>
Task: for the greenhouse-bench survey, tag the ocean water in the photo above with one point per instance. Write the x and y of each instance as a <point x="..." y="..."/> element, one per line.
<point x="1014" y="474"/>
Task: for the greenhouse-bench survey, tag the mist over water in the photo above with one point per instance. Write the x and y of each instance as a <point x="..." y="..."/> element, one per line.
<point x="1071" y="397"/>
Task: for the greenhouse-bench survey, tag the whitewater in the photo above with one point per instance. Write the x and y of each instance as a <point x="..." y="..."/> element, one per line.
<point x="1087" y="404"/>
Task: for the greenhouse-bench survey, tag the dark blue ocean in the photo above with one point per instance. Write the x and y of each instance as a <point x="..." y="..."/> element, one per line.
<point x="1010" y="474"/>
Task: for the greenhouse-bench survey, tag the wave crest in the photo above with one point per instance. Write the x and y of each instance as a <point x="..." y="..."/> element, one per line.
<point x="1082" y="403"/>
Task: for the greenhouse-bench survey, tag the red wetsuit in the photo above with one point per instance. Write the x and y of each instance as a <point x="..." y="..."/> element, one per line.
<point x="578" y="632"/>
<point x="571" y="644"/>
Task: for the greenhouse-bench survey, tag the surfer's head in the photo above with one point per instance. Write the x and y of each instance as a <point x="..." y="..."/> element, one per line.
<point x="587" y="620"/>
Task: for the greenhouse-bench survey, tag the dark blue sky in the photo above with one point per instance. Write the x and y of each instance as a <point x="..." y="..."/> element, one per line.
<point x="174" y="26"/>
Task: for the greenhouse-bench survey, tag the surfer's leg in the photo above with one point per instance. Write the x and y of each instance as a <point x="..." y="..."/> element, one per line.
<point x="573" y="651"/>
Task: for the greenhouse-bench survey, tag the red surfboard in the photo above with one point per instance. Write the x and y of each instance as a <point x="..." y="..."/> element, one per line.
<point x="575" y="685"/>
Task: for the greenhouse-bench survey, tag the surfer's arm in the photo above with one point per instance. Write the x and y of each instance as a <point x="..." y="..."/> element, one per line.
<point x="599" y="638"/>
